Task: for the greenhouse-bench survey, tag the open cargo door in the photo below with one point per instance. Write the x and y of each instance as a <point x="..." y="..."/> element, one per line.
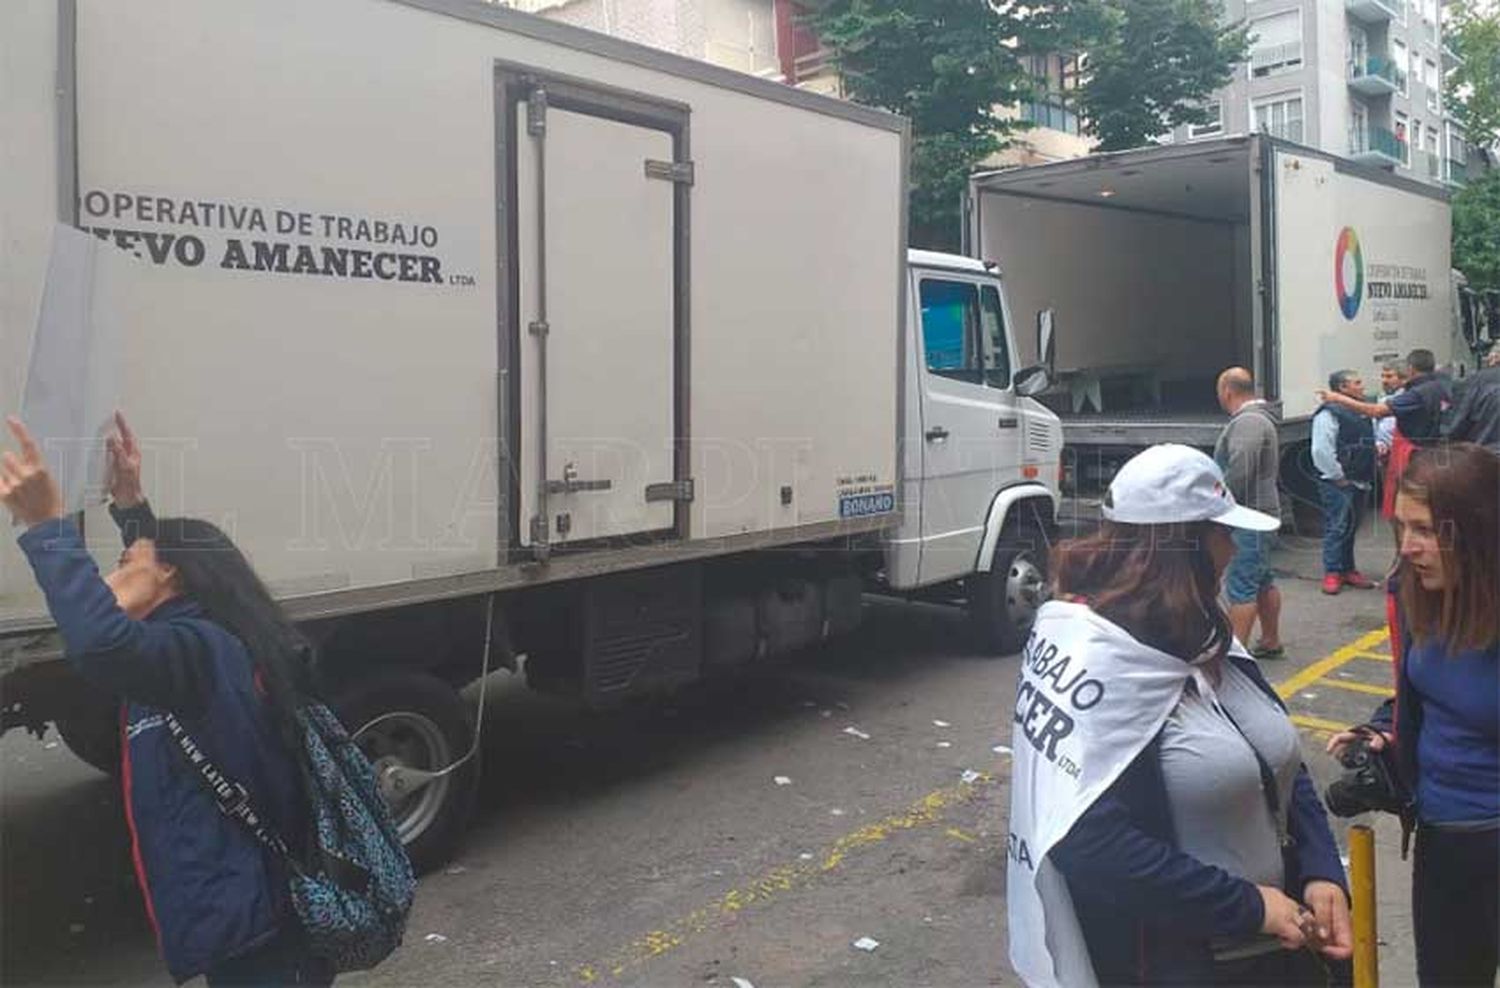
<point x="597" y="287"/>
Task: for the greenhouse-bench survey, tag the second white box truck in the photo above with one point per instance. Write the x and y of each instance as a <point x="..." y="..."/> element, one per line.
<point x="1167" y="265"/>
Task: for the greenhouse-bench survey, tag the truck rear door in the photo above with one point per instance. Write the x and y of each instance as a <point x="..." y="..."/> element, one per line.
<point x="596" y="205"/>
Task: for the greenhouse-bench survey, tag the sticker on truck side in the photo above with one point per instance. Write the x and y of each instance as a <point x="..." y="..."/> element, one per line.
<point x="872" y="501"/>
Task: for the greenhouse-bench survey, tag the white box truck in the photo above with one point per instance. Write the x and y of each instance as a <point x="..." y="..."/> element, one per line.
<point x="439" y="308"/>
<point x="1168" y="264"/>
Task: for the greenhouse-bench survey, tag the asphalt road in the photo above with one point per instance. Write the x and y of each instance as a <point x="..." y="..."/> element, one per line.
<point x="742" y="830"/>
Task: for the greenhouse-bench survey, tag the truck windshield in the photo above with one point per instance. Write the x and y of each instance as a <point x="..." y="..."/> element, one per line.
<point x="963" y="332"/>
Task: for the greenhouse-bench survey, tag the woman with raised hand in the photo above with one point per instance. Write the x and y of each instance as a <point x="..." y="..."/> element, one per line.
<point x="183" y="626"/>
<point x="1443" y="727"/>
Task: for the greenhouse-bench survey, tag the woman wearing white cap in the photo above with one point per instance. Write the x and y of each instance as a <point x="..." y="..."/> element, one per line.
<point x="1163" y="827"/>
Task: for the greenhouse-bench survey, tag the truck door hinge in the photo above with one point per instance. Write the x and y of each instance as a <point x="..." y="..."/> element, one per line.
<point x="677" y="490"/>
<point x="536" y="112"/>
<point x="680" y="172"/>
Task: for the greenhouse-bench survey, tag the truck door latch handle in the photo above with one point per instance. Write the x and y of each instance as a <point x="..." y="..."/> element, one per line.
<point x="937" y="434"/>
<point x="570" y="484"/>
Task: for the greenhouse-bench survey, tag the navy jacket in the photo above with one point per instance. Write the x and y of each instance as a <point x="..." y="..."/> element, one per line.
<point x="1150" y="911"/>
<point x="212" y="892"/>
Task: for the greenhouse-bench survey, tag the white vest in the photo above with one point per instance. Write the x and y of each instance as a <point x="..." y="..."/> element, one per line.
<point x="1089" y="700"/>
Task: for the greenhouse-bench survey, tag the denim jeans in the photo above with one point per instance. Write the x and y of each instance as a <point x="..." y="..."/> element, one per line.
<point x="1340" y="524"/>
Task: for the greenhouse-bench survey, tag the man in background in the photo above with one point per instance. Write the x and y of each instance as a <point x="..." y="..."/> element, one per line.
<point x="1476" y="418"/>
<point x="1392" y="383"/>
<point x="1343" y="450"/>
<point x="1249" y="455"/>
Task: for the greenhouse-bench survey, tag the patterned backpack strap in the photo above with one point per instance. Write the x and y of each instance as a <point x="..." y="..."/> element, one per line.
<point x="232" y="798"/>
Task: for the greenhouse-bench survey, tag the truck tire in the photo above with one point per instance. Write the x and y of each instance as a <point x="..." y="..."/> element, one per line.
<point x="419" y="721"/>
<point x="95" y="739"/>
<point x="1003" y="602"/>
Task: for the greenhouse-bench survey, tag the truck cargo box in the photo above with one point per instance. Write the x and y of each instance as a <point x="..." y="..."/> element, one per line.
<point x="429" y="297"/>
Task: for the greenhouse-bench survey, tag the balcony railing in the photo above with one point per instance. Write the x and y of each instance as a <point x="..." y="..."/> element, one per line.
<point x="1374" y="11"/>
<point x="1376" y="76"/>
<point x="1376" y="145"/>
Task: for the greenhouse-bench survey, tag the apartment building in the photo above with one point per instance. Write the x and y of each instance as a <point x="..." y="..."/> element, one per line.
<point x="766" y="38"/>
<point x="1359" y="78"/>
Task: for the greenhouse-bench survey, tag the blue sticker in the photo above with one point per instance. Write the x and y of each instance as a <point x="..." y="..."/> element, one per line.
<point x="863" y="505"/>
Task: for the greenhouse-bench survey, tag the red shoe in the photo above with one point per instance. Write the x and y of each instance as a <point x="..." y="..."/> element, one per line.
<point x="1354" y="578"/>
<point x="1333" y="583"/>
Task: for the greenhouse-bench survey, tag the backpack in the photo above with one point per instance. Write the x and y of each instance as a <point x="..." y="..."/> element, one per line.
<point x="353" y="886"/>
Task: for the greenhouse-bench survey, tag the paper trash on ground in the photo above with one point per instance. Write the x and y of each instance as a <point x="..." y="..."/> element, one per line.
<point x="741" y="983"/>
<point x="941" y="723"/>
<point x="782" y="780"/>
<point x="969" y="777"/>
<point x="866" y="944"/>
<point x="856" y="733"/>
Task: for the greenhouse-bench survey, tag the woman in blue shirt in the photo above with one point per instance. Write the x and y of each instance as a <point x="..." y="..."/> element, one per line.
<point x="1444" y="724"/>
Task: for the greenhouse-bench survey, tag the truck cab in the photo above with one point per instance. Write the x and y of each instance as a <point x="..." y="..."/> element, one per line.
<point x="980" y="456"/>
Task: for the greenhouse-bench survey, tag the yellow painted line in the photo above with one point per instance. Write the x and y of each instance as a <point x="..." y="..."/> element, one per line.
<point x="1373" y="656"/>
<point x="1318" y="724"/>
<point x="925" y="812"/>
<point x="1370" y="688"/>
<point x="1306" y="677"/>
<point x="961" y="835"/>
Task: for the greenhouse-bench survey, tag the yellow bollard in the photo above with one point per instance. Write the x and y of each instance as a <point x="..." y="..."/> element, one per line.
<point x="1362" y="891"/>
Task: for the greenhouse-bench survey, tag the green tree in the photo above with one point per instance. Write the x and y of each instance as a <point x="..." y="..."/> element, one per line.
<point x="947" y="65"/>
<point x="1154" y="66"/>
<point x="1476" y="232"/>
<point x="1473" y="88"/>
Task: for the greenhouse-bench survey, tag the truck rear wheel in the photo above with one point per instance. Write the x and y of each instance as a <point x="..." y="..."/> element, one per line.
<point x="412" y="720"/>
<point x="1003" y="602"/>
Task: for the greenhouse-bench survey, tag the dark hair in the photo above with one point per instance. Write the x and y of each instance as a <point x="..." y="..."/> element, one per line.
<point x="213" y="572"/>
<point x="1421" y="361"/>
<point x="1460" y="485"/>
<point x="1156" y="581"/>
<point x="1338" y="379"/>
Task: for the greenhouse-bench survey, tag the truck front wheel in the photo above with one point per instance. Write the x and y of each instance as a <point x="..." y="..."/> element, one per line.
<point x="1004" y="601"/>
<point x="412" y="720"/>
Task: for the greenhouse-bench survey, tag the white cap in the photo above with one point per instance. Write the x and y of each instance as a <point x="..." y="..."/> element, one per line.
<point x="1170" y="484"/>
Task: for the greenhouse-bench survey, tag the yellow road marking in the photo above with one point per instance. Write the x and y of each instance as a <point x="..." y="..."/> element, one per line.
<point x="1311" y="674"/>
<point x="1373" y="656"/>
<point x="1318" y="724"/>
<point x="925" y="812"/>
<point x="1347" y="684"/>
<point x="961" y="835"/>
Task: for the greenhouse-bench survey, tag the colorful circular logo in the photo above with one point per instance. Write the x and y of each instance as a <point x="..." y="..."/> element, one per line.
<point x="1349" y="272"/>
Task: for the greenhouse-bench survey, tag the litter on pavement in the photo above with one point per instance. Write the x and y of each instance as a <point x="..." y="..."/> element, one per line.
<point x="969" y="777"/>
<point x="1001" y="749"/>
<point x="945" y="744"/>
<point x="436" y="938"/>
<point x="866" y="944"/>
<point x="741" y="983"/>
<point x="782" y="780"/>
<point x="856" y="733"/>
<point x="941" y="723"/>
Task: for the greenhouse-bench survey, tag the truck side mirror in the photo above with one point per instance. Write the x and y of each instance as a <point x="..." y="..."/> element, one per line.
<point x="1046" y="342"/>
<point x="1032" y="381"/>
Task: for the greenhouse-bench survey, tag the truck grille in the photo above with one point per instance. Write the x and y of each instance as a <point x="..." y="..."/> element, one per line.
<point x="1040" y="440"/>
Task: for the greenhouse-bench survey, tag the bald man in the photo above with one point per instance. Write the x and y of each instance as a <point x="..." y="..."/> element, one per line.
<point x="1250" y="456"/>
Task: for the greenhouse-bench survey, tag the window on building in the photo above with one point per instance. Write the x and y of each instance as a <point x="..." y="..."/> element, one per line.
<point x="1215" y="122"/>
<point x="1280" y="116"/>
<point x="1278" y="44"/>
<point x="1402" y="62"/>
<point x="1403" y="138"/>
<point x="741" y="34"/>
<point x="1054" y="76"/>
<point x="1434" y="86"/>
